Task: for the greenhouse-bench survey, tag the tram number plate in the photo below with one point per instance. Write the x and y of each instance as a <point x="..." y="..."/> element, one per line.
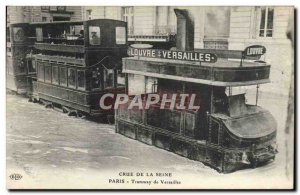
<point x="173" y="55"/>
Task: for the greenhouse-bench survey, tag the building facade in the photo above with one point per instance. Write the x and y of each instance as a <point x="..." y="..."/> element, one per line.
<point x="19" y="14"/>
<point x="225" y="28"/>
<point x="151" y="20"/>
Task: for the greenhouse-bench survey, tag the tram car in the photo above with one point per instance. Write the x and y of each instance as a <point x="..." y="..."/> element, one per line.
<point x="19" y="53"/>
<point x="78" y="62"/>
<point x="225" y="132"/>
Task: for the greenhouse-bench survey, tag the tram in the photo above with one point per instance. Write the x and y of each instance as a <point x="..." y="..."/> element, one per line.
<point x="19" y="50"/>
<point x="76" y="62"/>
<point x="224" y="132"/>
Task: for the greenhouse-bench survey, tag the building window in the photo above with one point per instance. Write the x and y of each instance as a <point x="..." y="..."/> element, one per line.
<point x="63" y="76"/>
<point x="127" y="16"/>
<point x="44" y="19"/>
<point x="55" y="75"/>
<point x="120" y="35"/>
<point x="266" y="22"/>
<point x="80" y="79"/>
<point x="45" y="8"/>
<point x="94" y="35"/>
<point x="61" y="8"/>
<point x="89" y="14"/>
<point x="71" y="78"/>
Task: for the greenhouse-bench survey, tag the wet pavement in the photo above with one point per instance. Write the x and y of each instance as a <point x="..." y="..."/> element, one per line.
<point x="53" y="150"/>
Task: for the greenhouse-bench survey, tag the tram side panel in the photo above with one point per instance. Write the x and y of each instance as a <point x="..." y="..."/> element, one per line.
<point x="225" y="133"/>
<point x="157" y="126"/>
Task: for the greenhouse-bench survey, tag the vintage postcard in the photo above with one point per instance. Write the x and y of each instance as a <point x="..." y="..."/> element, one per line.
<point x="150" y="97"/>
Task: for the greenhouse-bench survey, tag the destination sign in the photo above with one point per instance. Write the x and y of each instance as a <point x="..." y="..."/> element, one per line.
<point x="255" y="50"/>
<point x="173" y="55"/>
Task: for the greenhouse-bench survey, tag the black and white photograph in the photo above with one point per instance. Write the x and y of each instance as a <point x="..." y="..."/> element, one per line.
<point x="150" y="97"/>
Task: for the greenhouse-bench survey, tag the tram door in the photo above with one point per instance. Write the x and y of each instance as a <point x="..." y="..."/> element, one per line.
<point x="96" y="78"/>
<point x="214" y="132"/>
<point x="103" y="78"/>
<point x="213" y="155"/>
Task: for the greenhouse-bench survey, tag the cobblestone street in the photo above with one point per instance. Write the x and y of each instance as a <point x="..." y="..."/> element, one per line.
<point x="54" y="150"/>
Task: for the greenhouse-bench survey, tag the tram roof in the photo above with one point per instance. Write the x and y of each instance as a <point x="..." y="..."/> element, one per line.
<point x="58" y="22"/>
<point x="222" y="73"/>
<point x="221" y="62"/>
<point x="79" y="22"/>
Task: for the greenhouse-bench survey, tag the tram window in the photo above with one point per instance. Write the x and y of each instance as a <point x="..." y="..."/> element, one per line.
<point x="63" y="76"/>
<point x="55" y="75"/>
<point x="31" y="66"/>
<point x="94" y="35"/>
<point x="215" y="132"/>
<point x="136" y="84"/>
<point x="22" y="65"/>
<point x="96" y="79"/>
<point x="120" y="35"/>
<point x="10" y="68"/>
<point x="47" y="73"/>
<point x="108" y="78"/>
<point x="19" y="34"/>
<point x="39" y="34"/>
<point x="80" y="79"/>
<point x="41" y="72"/>
<point x="151" y="85"/>
<point x="7" y="34"/>
<point x="71" y="78"/>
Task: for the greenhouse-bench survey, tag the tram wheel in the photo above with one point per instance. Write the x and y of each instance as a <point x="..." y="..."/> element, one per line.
<point x="273" y="158"/>
<point x="65" y="109"/>
<point x="32" y="99"/>
<point x="254" y="164"/>
<point x="80" y="114"/>
<point x="49" y="105"/>
<point x="110" y="119"/>
<point x="72" y="113"/>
